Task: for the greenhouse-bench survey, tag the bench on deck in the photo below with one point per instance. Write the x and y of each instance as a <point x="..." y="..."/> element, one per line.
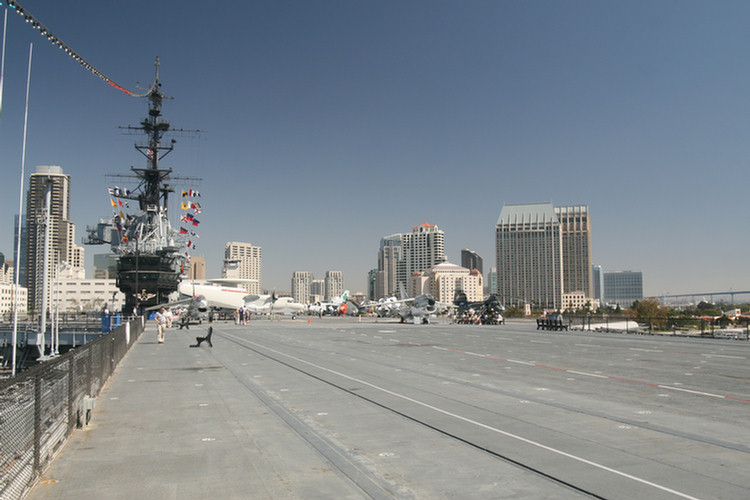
<point x="550" y="324"/>
<point x="207" y="338"/>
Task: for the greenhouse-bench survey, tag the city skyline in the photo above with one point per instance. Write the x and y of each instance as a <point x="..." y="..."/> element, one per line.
<point x="331" y="124"/>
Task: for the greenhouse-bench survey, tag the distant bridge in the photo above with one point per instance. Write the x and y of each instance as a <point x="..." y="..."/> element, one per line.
<point x="706" y="295"/>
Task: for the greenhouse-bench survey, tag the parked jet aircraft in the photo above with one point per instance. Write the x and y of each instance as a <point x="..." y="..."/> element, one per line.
<point x="340" y="305"/>
<point x="199" y="299"/>
<point x="270" y="304"/>
<point x="417" y="309"/>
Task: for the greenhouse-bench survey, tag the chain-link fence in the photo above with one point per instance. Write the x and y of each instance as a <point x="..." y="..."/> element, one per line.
<point x="40" y="407"/>
<point x="665" y="325"/>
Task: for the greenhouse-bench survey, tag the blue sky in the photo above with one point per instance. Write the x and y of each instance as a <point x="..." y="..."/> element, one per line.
<point x="330" y="124"/>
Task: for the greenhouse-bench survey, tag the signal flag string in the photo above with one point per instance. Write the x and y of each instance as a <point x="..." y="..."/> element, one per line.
<point x="55" y="41"/>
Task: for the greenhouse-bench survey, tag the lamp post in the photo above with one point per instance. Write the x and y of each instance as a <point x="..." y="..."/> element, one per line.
<point x="137" y="297"/>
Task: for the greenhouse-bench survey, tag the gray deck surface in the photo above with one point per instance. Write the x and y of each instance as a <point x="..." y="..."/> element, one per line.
<point x="340" y="409"/>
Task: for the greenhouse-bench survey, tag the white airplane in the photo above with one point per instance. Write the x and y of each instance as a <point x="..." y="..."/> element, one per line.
<point x="270" y="304"/>
<point x="384" y="306"/>
<point x="217" y="296"/>
<point x="417" y="309"/>
<point x="337" y="304"/>
<point x="197" y="300"/>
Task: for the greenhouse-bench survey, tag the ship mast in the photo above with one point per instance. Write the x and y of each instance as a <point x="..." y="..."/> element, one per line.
<point x="154" y="191"/>
<point x="150" y="264"/>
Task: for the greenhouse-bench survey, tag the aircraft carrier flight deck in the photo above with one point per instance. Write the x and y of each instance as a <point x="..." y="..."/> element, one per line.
<point x="337" y="408"/>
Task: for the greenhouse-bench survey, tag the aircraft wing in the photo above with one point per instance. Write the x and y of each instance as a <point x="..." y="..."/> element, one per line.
<point x="181" y="302"/>
<point x="231" y="281"/>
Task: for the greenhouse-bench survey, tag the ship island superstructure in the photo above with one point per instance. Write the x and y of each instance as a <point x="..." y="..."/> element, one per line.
<point x="149" y="253"/>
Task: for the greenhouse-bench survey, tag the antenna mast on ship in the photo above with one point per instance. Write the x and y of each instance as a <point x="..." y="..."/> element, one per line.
<point x="154" y="191"/>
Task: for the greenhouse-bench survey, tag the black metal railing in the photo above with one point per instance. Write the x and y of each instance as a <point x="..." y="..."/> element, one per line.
<point x="40" y="407"/>
<point x="662" y="325"/>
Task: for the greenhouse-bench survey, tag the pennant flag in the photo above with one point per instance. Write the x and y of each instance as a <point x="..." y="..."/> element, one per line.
<point x="111" y="191"/>
<point x="183" y="230"/>
<point x="198" y="211"/>
<point x="113" y="202"/>
<point x="122" y="215"/>
<point x="184" y="206"/>
<point x="194" y="234"/>
<point x="194" y="205"/>
<point x="196" y="222"/>
<point x="120" y="202"/>
<point x="125" y="238"/>
<point x="184" y="194"/>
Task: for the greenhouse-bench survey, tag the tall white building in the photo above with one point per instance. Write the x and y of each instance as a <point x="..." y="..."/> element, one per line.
<point x="301" y="281"/>
<point x="47" y="212"/>
<point x="575" y="223"/>
<point x="243" y="261"/>
<point x="389" y="256"/>
<point x="403" y="254"/>
<point x="529" y="260"/>
<point x="543" y="255"/>
<point x="334" y="283"/>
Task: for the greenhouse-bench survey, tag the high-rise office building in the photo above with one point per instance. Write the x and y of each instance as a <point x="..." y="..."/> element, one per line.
<point x="622" y="288"/>
<point x="575" y="227"/>
<point x="598" y="278"/>
<point x="49" y="231"/>
<point x="529" y="261"/>
<point x="317" y="290"/>
<point x="243" y="261"/>
<point x="402" y="254"/>
<point x="424" y="247"/>
<point x="301" y="281"/>
<point x="197" y="269"/>
<point x="334" y="283"/>
<point x="471" y="260"/>
<point x="490" y="282"/>
<point x="389" y="256"/>
<point x="372" y="284"/>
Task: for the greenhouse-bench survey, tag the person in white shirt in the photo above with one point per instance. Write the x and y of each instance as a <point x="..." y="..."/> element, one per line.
<point x="161" y="324"/>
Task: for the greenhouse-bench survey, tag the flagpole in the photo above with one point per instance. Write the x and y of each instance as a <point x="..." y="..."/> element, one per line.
<point x="2" y="61"/>
<point x="20" y="215"/>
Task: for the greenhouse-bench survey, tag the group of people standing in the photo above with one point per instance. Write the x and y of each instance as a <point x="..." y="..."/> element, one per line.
<point x="241" y="316"/>
<point x="472" y="317"/>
